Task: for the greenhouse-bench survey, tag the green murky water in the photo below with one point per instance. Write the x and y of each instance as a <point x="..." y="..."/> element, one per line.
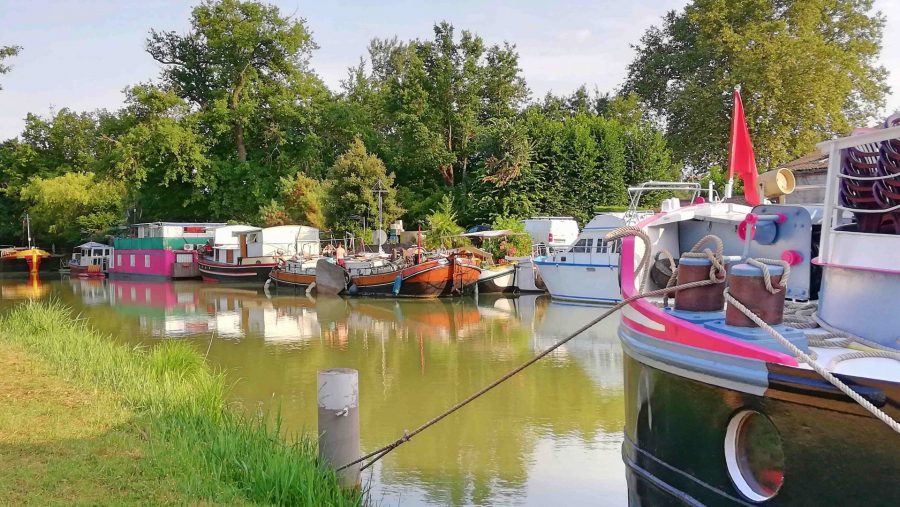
<point x="550" y="435"/>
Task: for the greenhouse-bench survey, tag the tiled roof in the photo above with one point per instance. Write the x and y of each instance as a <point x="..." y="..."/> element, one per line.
<point x="814" y="161"/>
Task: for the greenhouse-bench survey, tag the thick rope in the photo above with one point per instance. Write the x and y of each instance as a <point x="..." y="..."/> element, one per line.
<point x="763" y="265"/>
<point x="862" y="354"/>
<point x="802" y="356"/>
<point x="616" y="234"/>
<point x="407" y="435"/>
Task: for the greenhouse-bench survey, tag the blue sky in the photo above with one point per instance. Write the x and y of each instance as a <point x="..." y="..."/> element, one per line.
<point x="82" y="54"/>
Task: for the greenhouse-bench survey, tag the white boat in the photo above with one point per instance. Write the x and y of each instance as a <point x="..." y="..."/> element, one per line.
<point x="588" y="271"/>
<point x="91" y="260"/>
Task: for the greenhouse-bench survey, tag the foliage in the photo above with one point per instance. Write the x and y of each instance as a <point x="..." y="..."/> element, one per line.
<point x="73" y="206"/>
<point x="686" y="68"/>
<point x="519" y="243"/>
<point x="301" y="201"/>
<point x="239" y="128"/>
<point x="442" y="226"/>
<point x="351" y="192"/>
<point x="185" y="404"/>
<point x="7" y="52"/>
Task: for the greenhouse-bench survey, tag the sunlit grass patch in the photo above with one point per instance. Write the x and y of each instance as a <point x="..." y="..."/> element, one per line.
<point x="212" y="451"/>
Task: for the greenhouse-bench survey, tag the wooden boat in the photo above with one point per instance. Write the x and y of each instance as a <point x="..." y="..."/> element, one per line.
<point x="90" y="260"/>
<point x="719" y="412"/>
<point x="296" y="274"/>
<point x="437" y="277"/>
<point x="242" y="253"/>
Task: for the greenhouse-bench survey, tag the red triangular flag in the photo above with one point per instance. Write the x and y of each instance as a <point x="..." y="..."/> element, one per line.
<point x="742" y="161"/>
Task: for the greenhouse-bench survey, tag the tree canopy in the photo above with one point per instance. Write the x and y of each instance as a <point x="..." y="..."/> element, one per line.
<point x="807" y="70"/>
<point x="237" y="127"/>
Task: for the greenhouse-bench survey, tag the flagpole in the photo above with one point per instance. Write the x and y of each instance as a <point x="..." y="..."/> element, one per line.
<point x="729" y="187"/>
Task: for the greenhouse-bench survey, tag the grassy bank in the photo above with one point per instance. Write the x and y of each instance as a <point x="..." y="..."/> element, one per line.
<point x="168" y="401"/>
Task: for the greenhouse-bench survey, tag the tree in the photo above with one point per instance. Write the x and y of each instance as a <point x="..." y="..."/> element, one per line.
<point x="7" y="52"/>
<point x="443" y="230"/>
<point x="302" y="201"/>
<point x="237" y="59"/>
<point x="162" y="155"/>
<point x="71" y="207"/>
<point x="354" y="177"/>
<point x="807" y="70"/>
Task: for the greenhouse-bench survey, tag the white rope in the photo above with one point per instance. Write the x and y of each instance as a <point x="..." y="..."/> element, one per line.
<point x="802" y="356"/>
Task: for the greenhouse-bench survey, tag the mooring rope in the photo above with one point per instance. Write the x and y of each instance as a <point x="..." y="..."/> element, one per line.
<point x="621" y="232"/>
<point x="806" y="358"/>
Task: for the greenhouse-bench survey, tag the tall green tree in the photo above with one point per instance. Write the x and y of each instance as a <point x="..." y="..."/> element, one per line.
<point x="354" y="179"/>
<point x="7" y="52"/>
<point x="162" y="156"/>
<point x="237" y="58"/>
<point x="807" y="69"/>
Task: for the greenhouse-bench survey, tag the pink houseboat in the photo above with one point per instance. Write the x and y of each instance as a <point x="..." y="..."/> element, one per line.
<point x="163" y="250"/>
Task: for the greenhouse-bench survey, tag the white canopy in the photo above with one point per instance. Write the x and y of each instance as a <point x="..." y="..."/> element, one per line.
<point x="93" y="244"/>
<point x="489" y="234"/>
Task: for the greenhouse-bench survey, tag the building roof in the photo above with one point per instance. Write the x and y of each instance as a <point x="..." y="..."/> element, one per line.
<point x="811" y="162"/>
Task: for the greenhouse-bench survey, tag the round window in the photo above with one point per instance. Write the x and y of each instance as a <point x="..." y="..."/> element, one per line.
<point x="754" y="455"/>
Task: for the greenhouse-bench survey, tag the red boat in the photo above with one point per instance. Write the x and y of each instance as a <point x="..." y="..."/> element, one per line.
<point x="441" y="276"/>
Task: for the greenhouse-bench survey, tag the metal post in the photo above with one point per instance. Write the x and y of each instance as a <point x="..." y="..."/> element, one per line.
<point x="338" y="399"/>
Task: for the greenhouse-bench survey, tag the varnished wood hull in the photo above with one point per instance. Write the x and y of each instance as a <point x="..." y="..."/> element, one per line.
<point x="432" y="278"/>
<point x="291" y="280"/>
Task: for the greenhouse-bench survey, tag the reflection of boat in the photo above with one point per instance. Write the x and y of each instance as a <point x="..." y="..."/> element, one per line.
<point x="33" y="289"/>
<point x="92" y="291"/>
<point x="597" y="350"/>
<point x="90" y="260"/>
<point x="430" y="316"/>
<point x="241" y="253"/>
<point x="441" y="276"/>
<point x="721" y="412"/>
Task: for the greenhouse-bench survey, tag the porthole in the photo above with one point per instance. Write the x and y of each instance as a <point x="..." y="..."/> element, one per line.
<point x="754" y="455"/>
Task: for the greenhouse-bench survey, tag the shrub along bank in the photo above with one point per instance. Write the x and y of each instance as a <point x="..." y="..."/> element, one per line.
<point x="179" y="405"/>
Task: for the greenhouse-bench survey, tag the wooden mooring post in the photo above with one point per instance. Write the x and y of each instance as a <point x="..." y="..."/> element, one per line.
<point x="338" y="399"/>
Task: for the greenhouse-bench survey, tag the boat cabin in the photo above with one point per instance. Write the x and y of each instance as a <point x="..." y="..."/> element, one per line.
<point x="91" y="257"/>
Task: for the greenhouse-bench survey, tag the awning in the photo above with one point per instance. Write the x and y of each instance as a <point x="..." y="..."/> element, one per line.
<point x="489" y="234"/>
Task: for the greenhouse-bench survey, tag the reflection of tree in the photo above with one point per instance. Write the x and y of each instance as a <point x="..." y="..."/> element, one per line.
<point x="415" y="359"/>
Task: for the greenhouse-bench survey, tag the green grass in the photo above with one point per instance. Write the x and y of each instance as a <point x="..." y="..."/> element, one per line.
<point x="170" y="398"/>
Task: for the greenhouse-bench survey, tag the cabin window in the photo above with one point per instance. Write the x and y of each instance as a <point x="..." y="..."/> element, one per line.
<point x="131" y="260"/>
<point x="754" y="455"/>
<point x="146" y="260"/>
<point x="583" y="245"/>
<point x="184" y="258"/>
<point x="119" y="260"/>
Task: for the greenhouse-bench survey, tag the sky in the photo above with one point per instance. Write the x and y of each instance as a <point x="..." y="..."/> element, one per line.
<point x="81" y="55"/>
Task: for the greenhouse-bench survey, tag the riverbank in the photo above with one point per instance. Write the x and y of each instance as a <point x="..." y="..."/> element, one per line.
<point x="86" y="420"/>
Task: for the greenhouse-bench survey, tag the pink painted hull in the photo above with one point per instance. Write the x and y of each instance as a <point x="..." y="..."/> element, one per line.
<point x="153" y="264"/>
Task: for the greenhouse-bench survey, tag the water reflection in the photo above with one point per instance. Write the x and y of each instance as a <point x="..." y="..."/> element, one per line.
<point x="550" y="434"/>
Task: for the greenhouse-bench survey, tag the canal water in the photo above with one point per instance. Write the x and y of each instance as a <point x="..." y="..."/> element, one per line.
<point x="550" y="435"/>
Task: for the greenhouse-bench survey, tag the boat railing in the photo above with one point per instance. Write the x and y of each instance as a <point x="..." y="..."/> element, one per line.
<point x="636" y="193"/>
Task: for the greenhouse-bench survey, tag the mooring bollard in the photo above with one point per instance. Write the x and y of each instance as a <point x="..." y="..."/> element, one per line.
<point x="338" y="398"/>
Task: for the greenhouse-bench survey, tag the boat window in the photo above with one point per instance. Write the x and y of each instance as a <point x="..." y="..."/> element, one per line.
<point x="119" y="260"/>
<point x="583" y="245"/>
<point x="146" y="260"/>
<point x="754" y="455"/>
<point x="131" y="260"/>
